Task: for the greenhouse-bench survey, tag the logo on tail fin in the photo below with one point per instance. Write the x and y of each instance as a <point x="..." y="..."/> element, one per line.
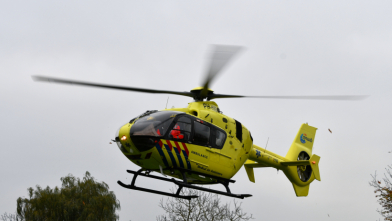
<point x="303" y="138"/>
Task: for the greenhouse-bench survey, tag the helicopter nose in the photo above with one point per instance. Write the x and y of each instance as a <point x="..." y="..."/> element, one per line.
<point x="123" y="140"/>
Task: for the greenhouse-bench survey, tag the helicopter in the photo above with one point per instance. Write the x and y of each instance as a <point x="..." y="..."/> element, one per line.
<point x="198" y="145"/>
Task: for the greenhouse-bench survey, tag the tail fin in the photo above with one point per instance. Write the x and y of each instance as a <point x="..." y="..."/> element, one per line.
<point x="301" y="168"/>
<point x="302" y="142"/>
<point x="299" y="165"/>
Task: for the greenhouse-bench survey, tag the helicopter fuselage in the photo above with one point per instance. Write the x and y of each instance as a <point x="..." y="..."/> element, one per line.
<point x="197" y="138"/>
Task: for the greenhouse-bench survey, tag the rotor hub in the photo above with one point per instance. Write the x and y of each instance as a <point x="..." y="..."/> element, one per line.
<point x="200" y="95"/>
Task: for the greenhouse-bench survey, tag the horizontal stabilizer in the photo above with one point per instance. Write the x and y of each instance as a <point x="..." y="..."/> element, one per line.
<point x="313" y="162"/>
<point x="295" y="163"/>
<point x="249" y="165"/>
<point x="253" y="164"/>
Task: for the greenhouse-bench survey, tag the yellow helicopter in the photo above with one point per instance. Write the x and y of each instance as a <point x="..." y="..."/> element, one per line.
<point x="200" y="145"/>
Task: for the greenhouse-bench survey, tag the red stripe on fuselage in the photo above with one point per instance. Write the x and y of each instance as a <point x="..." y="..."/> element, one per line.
<point x="169" y="144"/>
<point x="186" y="149"/>
<point x="178" y="146"/>
<point x="160" y="143"/>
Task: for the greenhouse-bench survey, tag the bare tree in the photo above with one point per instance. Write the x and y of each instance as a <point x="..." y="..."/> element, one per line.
<point x="207" y="207"/>
<point x="384" y="193"/>
<point x="9" y="217"/>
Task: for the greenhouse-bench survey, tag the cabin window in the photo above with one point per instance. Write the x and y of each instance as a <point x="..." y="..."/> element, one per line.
<point x="202" y="134"/>
<point x="219" y="139"/>
<point x="181" y="130"/>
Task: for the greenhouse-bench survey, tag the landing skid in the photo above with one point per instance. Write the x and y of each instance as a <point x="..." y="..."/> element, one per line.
<point x="184" y="183"/>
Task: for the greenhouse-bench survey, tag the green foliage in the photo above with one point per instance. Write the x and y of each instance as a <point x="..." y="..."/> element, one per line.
<point x="383" y="192"/>
<point x="77" y="199"/>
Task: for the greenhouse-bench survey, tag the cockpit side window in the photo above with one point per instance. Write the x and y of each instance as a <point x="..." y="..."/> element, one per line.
<point x="182" y="129"/>
<point x="202" y="134"/>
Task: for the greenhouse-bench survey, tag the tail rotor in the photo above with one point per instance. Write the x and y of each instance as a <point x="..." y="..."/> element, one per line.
<point x="304" y="171"/>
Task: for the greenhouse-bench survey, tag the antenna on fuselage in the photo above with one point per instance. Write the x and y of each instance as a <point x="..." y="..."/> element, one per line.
<point x="266" y="145"/>
<point x="167" y="102"/>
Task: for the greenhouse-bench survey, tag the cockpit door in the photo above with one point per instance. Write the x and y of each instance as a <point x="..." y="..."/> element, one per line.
<point x="200" y="140"/>
<point x="182" y="130"/>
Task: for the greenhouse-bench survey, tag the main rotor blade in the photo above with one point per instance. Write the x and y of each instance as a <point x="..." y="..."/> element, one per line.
<point x="220" y="57"/>
<point x="84" y="83"/>
<point x="317" y="97"/>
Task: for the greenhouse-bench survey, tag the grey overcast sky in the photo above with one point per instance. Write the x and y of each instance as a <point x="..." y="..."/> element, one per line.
<point x="292" y="48"/>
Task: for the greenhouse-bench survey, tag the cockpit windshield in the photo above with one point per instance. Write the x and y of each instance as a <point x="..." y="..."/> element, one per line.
<point x="155" y="124"/>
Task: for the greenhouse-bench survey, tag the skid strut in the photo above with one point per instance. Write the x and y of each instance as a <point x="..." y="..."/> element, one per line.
<point x="184" y="183"/>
